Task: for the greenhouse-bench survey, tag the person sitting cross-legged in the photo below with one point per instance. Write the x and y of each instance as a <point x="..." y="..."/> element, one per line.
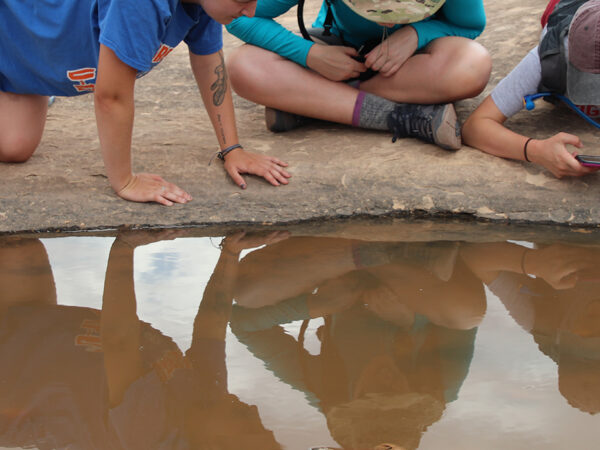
<point x="393" y="65"/>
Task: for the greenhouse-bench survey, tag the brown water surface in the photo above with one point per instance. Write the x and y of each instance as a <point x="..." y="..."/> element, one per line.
<point x="153" y="340"/>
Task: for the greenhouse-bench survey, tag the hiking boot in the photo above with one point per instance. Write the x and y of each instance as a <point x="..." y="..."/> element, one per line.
<point x="436" y="124"/>
<point x="278" y="121"/>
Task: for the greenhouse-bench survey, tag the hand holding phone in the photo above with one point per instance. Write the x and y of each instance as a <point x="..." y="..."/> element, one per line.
<point x="588" y="160"/>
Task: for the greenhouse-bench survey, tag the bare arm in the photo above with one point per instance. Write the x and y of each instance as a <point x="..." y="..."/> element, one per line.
<point x="215" y="309"/>
<point x="213" y="82"/>
<point x="485" y="130"/>
<point x="114" y="105"/>
<point x="119" y="325"/>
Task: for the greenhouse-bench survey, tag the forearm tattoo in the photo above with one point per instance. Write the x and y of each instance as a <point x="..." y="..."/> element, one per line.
<point x="220" y="86"/>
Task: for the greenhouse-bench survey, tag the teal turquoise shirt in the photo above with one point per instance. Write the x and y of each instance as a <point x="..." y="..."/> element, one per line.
<point x="464" y="18"/>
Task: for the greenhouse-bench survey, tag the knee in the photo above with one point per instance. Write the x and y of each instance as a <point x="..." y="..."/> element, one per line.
<point x="246" y="67"/>
<point x="480" y="68"/>
<point x="464" y="304"/>
<point x="239" y="66"/>
<point x="476" y="70"/>
<point x="235" y="60"/>
<point x="17" y="148"/>
<point x="470" y="72"/>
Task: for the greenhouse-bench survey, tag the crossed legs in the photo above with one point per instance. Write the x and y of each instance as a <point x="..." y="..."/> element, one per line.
<point x="22" y="120"/>
<point x="449" y="69"/>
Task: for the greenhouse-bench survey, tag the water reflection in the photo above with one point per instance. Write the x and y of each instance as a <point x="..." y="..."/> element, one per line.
<point x="76" y="378"/>
<point x="397" y="338"/>
<point x="553" y="292"/>
<point x="400" y="321"/>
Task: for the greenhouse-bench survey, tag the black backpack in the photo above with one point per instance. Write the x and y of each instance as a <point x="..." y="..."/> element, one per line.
<point x="551" y="49"/>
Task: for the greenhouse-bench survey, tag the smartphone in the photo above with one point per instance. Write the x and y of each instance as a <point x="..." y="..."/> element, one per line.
<point x="589" y="160"/>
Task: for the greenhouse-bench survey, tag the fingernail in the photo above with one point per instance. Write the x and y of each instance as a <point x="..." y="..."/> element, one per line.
<point x="243" y="186"/>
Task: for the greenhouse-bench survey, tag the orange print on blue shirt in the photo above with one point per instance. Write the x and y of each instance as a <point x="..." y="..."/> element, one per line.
<point x="82" y="77"/>
<point x="162" y="52"/>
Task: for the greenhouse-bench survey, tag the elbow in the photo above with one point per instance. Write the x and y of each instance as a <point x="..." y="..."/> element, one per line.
<point x="472" y="128"/>
<point x="467" y="131"/>
<point x="479" y="25"/>
<point x="236" y="27"/>
<point x="230" y="27"/>
<point x="482" y="123"/>
<point x="476" y="21"/>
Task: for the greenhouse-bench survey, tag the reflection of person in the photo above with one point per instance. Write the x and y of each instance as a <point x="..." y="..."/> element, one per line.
<point x="278" y="272"/>
<point x="417" y="69"/>
<point x="184" y="398"/>
<point x="51" y="372"/>
<point x="400" y="322"/>
<point x="76" y="47"/>
<point x="552" y="292"/>
<point x="545" y="69"/>
<point x="75" y="377"/>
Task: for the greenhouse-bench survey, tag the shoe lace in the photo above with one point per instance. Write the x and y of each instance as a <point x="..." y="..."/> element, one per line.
<point x="409" y="122"/>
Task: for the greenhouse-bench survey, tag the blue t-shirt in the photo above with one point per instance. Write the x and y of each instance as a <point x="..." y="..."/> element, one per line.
<point x="51" y="47"/>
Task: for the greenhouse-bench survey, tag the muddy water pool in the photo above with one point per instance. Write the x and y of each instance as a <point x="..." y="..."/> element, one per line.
<point x="272" y="340"/>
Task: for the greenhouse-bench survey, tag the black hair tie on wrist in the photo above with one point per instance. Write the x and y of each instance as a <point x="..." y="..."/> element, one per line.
<point x="525" y="149"/>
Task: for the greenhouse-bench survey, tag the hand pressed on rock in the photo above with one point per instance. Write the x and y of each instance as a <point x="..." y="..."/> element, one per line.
<point x="149" y="187"/>
<point x="270" y="168"/>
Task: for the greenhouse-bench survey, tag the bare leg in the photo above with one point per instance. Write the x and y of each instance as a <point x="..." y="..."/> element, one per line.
<point x="25" y="274"/>
<point x="450" y="69"/>
<point x="458" y="303"/>
<point x="22" y="120"/>
<point x="271" y="80"/>
<point x="279" y="271"/>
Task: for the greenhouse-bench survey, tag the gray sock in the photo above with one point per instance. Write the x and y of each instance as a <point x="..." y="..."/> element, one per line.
<point x="371" y="111"/>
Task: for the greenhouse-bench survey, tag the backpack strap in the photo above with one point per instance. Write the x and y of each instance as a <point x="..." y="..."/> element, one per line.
<point x="549" y="8"/>
<point x="300" y="15"/>
<point x="329" y="21"/>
